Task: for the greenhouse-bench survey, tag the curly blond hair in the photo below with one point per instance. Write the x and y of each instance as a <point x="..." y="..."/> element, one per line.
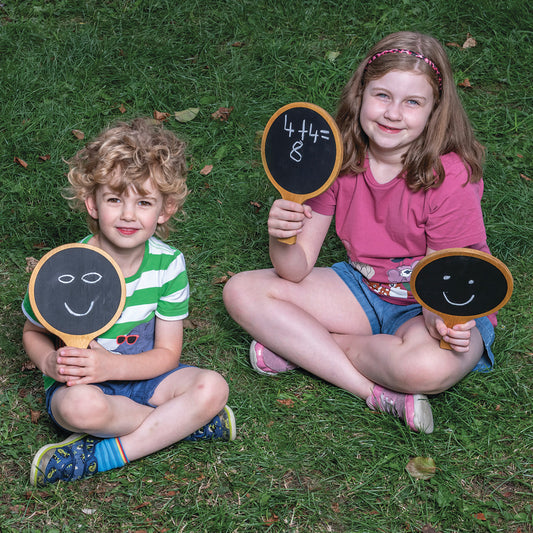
<point x="127" y="154"/>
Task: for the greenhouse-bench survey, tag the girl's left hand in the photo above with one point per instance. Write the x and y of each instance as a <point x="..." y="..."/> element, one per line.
<point x="457" y="337"/>
<point x="84" y="366"/>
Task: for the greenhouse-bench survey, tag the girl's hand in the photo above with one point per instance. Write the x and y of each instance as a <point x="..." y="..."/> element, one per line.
<point x="78" y="366"/>
<point x="286" y="218"/>
<point x="457" y="337"/>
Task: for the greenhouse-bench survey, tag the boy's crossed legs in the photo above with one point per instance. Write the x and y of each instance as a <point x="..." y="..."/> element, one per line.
<point x="158" y="413"/>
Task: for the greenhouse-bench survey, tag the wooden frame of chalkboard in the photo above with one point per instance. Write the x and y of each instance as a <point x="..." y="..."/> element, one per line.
<point x="82" y="338"/>
<point x="430" y="278"/>
<point x="301" y="150"/>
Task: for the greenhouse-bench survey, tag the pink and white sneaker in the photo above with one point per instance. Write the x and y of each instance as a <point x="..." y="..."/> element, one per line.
<point x="266" y="362"/>
<point x="413" y="409"/>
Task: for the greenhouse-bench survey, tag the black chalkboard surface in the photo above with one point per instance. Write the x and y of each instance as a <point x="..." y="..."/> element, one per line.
<point x="77" y="292"/>
<point x="301" y="150"/>
<point x="460" y="284"/>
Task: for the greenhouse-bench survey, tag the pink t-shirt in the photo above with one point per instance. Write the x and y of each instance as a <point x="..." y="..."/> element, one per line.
<point x="387" y="228"/>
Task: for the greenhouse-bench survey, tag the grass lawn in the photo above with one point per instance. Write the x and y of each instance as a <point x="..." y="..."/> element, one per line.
<point x="308" y="456"/>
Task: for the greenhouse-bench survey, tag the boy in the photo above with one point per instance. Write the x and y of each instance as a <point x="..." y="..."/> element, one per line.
<point x="127" y="395"/>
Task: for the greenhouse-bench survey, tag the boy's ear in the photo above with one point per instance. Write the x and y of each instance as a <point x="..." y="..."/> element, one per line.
<point x="169" y="208"/>
<point x="90" y="205"/>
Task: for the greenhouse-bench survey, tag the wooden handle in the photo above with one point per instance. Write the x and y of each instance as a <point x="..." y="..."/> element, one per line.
<point x="288" y="240"/>
<point x="76" y="341"/>
<point x="450" y="321"/>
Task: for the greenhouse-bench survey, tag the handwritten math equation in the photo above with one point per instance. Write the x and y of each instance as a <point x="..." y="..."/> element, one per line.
<point x="302" y="133"/>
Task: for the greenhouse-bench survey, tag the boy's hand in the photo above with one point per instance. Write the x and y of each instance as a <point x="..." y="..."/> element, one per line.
<point x="77" y="366"/>
<point x="286" y="218"/>
<point x="457" y="337"/>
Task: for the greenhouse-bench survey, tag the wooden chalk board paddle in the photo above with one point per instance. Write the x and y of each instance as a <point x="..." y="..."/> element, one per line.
<point x="77" y="292"/>
<point x="301" y="150"/>
<point x="460" y="284"/>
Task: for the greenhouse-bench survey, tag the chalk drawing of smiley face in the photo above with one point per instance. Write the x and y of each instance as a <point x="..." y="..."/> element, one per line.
<point x="77" y="291"/>
<point x="89" y="277"/>
<point x="461" y="285"/>
<point x="448" y="277"/>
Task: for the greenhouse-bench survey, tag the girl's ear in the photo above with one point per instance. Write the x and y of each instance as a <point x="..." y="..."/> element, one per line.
<point x="90" y="205"/>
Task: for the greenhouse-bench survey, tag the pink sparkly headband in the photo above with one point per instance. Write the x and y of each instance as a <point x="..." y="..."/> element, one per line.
<point x="411" y="53"/>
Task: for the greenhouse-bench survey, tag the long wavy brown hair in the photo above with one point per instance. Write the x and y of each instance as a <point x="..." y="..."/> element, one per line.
<point x="128" y="154"/>
<point x="448" y="128"/>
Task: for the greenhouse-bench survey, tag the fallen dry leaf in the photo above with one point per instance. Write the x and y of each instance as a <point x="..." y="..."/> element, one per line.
<point x="287" y="403"/>
<point x="31" y="263"/>
<point x="466" y="84"/>
<point x="453" y="45"/>
<point x="187" y="114"/>
<point x="20" y="161"/>
<point x="28" y="365"/>
<point x="238" y="44"/>
<point x="222" y="113"/>
<point x="257" y="206"/>
<point x="470" y="42"/>
<point x="421" y="467"/>
<point x="78" y="134"/>
<point x="524" y="177"/>
<point x="44" y="157"/>
<point x="480" y="516"/>
<point x="220" y="280"/>
<point x="34" y="416"/>
<point x="206" y="170"/>
<point x="272" y="520"/>
<point x="159" y="115"/>
<point x="122" y="109"/>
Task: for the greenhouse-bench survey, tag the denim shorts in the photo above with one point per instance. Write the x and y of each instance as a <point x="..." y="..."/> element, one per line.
<point x="139" y="391"/>
<point x="385" y="317"/>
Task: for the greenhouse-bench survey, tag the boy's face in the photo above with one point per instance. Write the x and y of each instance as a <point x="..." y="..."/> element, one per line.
<point x="127" y="220"/>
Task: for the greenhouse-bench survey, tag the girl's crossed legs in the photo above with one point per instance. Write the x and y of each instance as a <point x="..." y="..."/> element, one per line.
<point x="320" y="326"/>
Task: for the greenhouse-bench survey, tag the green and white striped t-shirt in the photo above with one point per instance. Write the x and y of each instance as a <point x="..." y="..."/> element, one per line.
<point x="159" y="288"/>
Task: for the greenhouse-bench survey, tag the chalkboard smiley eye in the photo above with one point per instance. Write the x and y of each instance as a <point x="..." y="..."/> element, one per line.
<point x="470" y="282"/>
<point x="91" y="277"/>
<point x="446" y="277"/>
<point x="65" y="278"/>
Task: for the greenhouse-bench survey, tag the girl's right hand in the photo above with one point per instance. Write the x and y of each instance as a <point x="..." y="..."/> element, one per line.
<point x="286" y="218"/>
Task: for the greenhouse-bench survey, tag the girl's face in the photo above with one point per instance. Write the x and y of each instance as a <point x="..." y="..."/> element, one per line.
<point x="395" y="110"/>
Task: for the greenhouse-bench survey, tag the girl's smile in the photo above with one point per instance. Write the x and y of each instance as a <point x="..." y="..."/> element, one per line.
<point x="395" y="111"/>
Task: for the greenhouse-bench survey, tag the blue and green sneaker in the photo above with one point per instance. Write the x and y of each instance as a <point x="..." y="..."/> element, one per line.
<point x="69" y="460"/>
<point x="222" y="427"/>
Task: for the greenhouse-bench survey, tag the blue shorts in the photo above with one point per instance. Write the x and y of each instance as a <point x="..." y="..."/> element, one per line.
<point x="139" y="391"/>
<point x="385" y="317"/>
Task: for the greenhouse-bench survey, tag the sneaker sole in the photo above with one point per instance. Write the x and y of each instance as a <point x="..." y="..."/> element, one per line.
<point x="231" y="422"/>
<point x="253" y="362"/>
<point x="35" y="465"/>
<point x="423" y="415"/>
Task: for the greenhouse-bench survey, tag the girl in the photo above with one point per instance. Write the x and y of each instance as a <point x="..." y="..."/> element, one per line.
<point x="410" y="185"/>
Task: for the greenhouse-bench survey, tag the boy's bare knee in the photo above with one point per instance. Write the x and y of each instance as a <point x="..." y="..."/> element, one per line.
<point x="211" y="389"/>
<point x="81" y="407"/>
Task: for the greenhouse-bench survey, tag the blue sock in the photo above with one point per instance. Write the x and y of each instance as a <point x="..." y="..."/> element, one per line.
<point x="110" y="454"/>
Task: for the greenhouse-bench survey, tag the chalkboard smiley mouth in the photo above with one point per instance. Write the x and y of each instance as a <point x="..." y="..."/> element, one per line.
<point x="73" y="313"/>
<point x="459" y="304"/>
